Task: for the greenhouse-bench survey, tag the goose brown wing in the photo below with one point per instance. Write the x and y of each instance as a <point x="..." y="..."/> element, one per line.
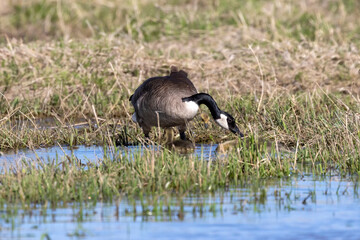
<point x="162" y="95"/>
<point x="158" y="91"/>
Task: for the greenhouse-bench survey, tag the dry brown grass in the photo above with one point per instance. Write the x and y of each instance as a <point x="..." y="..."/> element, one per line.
<point x="253" y="53"/>
<point x="225" y="65"/>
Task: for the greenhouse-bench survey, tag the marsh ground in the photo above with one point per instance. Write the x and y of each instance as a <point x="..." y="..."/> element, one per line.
<point x="289" y="72"/>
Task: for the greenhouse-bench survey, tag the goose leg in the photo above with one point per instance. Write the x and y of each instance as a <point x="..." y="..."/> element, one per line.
<point x="182" y="130"/>
<point x="146" y="131"/>
<point x="182" y="135"/>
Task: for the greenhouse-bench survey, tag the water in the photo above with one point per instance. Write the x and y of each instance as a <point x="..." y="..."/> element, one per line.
<point x="89" y="153"/>
<point x="276" y="210"/>
<point x="296" y="207"/>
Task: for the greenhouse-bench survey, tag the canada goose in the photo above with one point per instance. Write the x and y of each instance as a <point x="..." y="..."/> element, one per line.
<point x="172" y="101"/>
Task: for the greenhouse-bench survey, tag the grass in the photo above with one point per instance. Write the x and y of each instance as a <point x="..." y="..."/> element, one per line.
<point x="289" y="73"/>
<point x="158" y="173"/>
<point x="151" y="21"/>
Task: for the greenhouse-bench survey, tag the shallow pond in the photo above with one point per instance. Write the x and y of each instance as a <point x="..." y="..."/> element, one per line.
<point x="295" y="207"/>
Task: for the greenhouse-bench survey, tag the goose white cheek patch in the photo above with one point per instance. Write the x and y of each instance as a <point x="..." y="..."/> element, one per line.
<point x="222" y="121"/>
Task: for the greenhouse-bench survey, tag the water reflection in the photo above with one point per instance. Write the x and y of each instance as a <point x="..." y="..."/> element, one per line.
<point x="93" y="153"/>
<point x="299" y="207"/>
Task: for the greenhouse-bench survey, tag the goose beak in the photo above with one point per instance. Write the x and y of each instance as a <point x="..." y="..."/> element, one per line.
<point x="236" y="130"/>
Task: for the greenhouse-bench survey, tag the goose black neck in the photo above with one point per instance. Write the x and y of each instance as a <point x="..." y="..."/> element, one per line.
<point x="203" y="98"/>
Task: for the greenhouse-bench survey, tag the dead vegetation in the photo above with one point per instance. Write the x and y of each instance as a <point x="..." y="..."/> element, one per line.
<point x="68" y="79"/>
<point x="75" y="61"/>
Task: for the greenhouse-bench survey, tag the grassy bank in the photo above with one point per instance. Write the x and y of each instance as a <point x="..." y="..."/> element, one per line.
<point x="159" y="173"/>
<point x="162" y="173"/>
<point x="281" y="89"/>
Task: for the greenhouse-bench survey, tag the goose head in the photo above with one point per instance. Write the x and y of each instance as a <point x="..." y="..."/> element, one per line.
<point x="225" y="120"/>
